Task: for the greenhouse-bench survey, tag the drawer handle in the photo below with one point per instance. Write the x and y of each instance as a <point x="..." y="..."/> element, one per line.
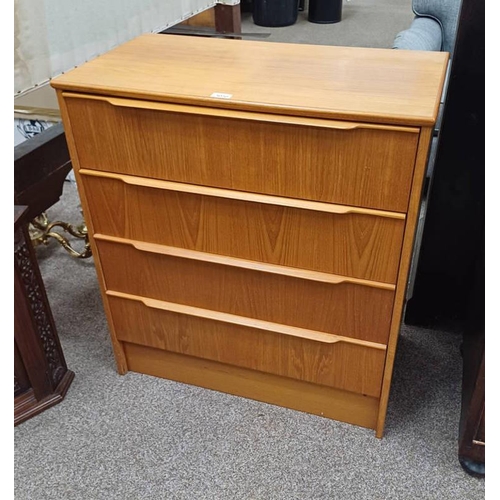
<point x="325" y="338"/>
<point x="317" y="206"/>
<point x="239" y="115"/>
<point x="184" y="253"/>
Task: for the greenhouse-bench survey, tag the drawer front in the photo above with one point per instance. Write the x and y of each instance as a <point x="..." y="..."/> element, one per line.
<point x="360" y="246"/>
<point x="351" y="367"/>
<point x="346" y="309"/>
<point x="338" y="162"/>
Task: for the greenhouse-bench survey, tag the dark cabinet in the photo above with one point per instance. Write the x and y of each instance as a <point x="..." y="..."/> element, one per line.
<point x="41" y="377"/>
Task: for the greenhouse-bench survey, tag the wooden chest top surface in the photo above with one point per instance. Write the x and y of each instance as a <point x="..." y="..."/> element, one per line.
<point x="347" y="83"/>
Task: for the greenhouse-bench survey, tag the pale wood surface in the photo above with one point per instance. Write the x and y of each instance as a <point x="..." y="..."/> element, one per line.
<point x="121" y="362"/>
<point x="360" y="246"/>
<point x="375" y="85"/>
<point x="404" y="268"/>
<point x="233" y="319"/>
<point x="205" y="18"/>
<point x="280" y="201"/>
<point x="278" y="159"/>
<point x="253" y="265"/>
<point x="344" y="365"/>
<point x="240" y="115"/>
<point x="349" y="310"/>
<point x="316" y="399"/>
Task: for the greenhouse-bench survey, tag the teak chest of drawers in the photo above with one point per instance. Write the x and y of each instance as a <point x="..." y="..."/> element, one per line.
<point x="252" y="208"/>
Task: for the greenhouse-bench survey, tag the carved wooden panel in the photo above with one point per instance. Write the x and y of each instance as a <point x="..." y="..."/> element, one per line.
<point x="41" y="377"/>
<point x="40" y="310"/>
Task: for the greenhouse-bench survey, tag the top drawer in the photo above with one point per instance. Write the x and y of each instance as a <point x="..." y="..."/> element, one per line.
<point x="315" y="159"/>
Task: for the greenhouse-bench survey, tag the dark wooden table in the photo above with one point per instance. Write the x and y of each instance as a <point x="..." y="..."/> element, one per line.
<point x="40" y="166"/>
<point x="41" y="377"/>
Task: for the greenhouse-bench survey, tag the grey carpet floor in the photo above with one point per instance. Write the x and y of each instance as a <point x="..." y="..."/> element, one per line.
<point x="365" y="23"/>
<point x="137" y="437"/>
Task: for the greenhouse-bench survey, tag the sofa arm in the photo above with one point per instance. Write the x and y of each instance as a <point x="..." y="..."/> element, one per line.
<point x="424" y="34"/>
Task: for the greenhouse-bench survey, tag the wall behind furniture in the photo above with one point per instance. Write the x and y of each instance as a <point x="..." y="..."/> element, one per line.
<point x="53" y="36"/>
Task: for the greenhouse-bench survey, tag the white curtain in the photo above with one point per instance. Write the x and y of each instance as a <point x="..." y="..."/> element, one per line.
<point x="53" y="36"/>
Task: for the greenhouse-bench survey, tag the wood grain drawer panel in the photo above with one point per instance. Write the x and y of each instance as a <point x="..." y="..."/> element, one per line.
<point x="361" y="246"/>
<point x="345" y="309"/>
<point x="283" y="391"/>
<point x="339" y="162"/>
<point x="351" y="367"/>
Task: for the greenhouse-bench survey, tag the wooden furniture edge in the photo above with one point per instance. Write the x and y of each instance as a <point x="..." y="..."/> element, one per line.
<point x="234" y="319"/>
<point x="293" y="272"/>
<point x="26" y="405"/>
<point x="36" y="340"/>
<point x="391" y="120"/>
<point x="120" y="358"/>
<point x="223" y="18"/>
<point x="469" y="447"/>
<point x="404" y="267"/>
<point x="318" y="206"/>
<point x="41" y="165"/>
<point x="240" y="115"/>
<point x="205" y="18"/>
<point x="227" y="18"/>
<point x="272" y="389"/>
<point x="439" y="95"/>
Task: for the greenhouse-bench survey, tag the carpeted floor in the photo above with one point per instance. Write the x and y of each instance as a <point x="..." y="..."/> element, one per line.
<point x="137" y="437"/>
<point x="365" y="23"/>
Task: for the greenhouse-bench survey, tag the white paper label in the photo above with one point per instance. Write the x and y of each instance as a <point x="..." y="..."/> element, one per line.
<point x="221" y="95"/>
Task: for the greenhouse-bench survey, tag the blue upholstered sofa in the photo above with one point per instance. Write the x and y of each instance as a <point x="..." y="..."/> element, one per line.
<point x="434" y="26"/>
